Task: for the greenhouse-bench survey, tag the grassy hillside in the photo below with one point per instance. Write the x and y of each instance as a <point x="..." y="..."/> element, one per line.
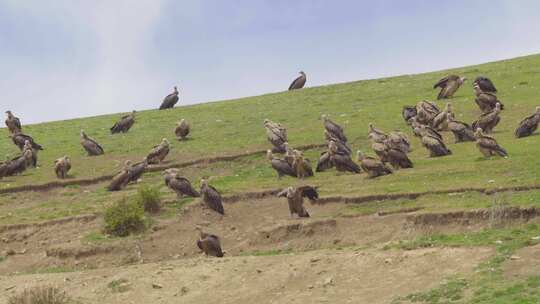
<point x="235" y="126"/>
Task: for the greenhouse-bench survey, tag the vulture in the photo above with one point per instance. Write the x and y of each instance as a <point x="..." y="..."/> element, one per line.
<point x="408" y="112"/>
<point x="334" y="129"/>
<point x="434" y="144"/>
<point x="281" y="166"/>
<point x="398" y="140"/>
<point x="376" y="135"/>
<point x="372" y="166"/>
<point x="33" y="153"/>
<point x="324" y="162"/>
<point x="488" y="121"/>
<point x="19" y="139"/>
<point x="124" y="124"/>
<point x="462" y="131"/>
<point x="62" y="166"/>
<point x="179" y="184"/>
<point x="121" y="179"/>
<point x="343" y="147"/>
<point x="137" y="170"/>
<point x="299" y="82"/>
<point x="419" y="130"/>
<point x="485" y="84"/>
<point x="397" y="158"/>
<point x="440" y="122"/>
<point x="182" y="129"/>
<point x="90" y="145"/>
<point x="380" y="149"/>
<point x="487" y="145"/>
<point x="16" y="165"/>
<point x="210" y="245"/>
<point x="449" y="85"/>
<point x="528" y="125"/>
<point x="343" y="163"/>
<point x="170" y="100"/>
<point x="301" y="165"/>
<point x="211" y="197"/>
<point x="426" y="112"/>
<point x="276" y="135"/>
<point x="295" y="198"/>
<point x="13" y="123"/>
<point x="159" y="152"/>
<point x="486" y="101"/>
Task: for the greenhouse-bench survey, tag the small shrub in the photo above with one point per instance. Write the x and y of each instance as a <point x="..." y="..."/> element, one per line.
<point x="124" y="218"/>
<point x="40" y="295"/>
<point x="149" y="198"/>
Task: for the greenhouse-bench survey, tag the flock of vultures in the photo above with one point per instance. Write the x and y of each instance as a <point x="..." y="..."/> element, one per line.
<point x="425" y="118"/>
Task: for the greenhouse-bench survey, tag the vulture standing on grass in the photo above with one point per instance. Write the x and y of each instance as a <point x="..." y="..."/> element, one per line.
<point x="276" y="135"/>
<point x="449" y="85"/>
<point x="62" y="166"/>
<point x="210" y="245"/>
<point x="182" y="129"/>
<point x="137" y="170"/>
<point x="334" y="129"/>
<point x="124" y="124"/>
<point x="121" y="179"/>
<point x="90" y="145"/>
<point x="434" y="144"/>
<point x="485" y="84"/>
<point x="440" y="122"/>
<point x="408" y="112"/>
<point x="420" y="129"/>
<point x="397" y="158"/>
<point x="281" y="166"/>
<point x="528" y="125"/>
<point x="295" y="198"/>
<point x="28" y="147"/>
<point x="376" y="135"/>
<point x="372" y="166"/>
<point x="179" y="184"/>
<point x="398" y="140"/>
<point x="301" y="165"/>
<point x="170" y="100"/>
<point x="486" y="101"/>
<point x="13" y="123"/>
<point x="343" y="147"/>
<point x="487" y="145"/>
<point x="488" y="121"/>
<point x="159" y="152"/>
<point x="462" y="131"/>
<point x="343" y="163"/>
<point x="299" y="82"/>
<point x="19" y="139"/>
<point x="426" y="112"/>
<point x="211" y="197"/>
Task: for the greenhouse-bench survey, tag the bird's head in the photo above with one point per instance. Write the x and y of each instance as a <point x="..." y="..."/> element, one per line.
<point x="537" y="110"/>
<point x="498" y="107"/>
<point x="269" y="155"/>
<point x="332" y="146"/>
<point x="290" y="191"/>
<point x="302" y="73"/>
<point x="82" y="133"/>
<point x="462" y="79"/>
<point x="164" y="141"/>
<point x="359" y="155"/>
<point x="204" y="182"/>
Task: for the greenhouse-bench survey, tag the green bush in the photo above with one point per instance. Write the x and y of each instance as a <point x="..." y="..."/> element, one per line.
<point x="40" y="295"/>
<point x="124" y="217"/>
<point x="149" y="198"/>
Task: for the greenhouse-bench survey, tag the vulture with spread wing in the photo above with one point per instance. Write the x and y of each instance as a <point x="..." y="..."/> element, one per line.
<point x="449" y="85"/>
<point x="295" y="198"/>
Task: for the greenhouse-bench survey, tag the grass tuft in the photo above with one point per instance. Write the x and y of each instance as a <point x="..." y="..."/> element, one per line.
<point x="149" y="198"/>
<point x="124" y="218"/>
<point x="41" y="295"/>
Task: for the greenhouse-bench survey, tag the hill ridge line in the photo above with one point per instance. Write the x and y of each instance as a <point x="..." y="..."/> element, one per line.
<point x="99" y="179"/>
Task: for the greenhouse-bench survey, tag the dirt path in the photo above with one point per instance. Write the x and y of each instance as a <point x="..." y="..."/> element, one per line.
<point x="326" y="276"/>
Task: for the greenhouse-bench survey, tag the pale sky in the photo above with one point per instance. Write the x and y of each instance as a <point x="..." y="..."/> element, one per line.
<point x="64" y="59"/>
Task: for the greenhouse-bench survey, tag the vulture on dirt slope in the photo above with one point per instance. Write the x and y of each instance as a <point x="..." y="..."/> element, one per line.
<point x="13" y="123"/>
<point x="159" y="152"/>
<point x="528" y="125"/>
<point x="179" y="184"/>
<point x="334" y="129"/>
<point x="90" y="145"/>
<point x="124" y="124"/>
<point x="485" y="84"/>
<point x="210" y="244"/>
<point x="487" y="145"/>
<point x="299" y="82"/>
<point x="434" y="144"/>
<point x="488" y="121"/>
<point x="19" y="139"/>
<point x="182" y="129"/>
<point x="62" y="166"/>
<point x="372" y="166"/>
<point x="462" y="131"/>
<point x="343" y="163"/>
<point x="170" y="100"/>
<point x="121" y="179"/>
<point x="281" y="166"/>
<point x="276" y="135"/>
<point x="449" y="85"/>
<point x="211" y="197"/>
<point x="486" y="101"/>
<point x="295" y="198"/>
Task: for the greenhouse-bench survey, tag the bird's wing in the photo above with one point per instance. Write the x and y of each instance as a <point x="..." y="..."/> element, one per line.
<point x="294" y="82"/>
<point x="441" y="83"/>
<point x="282" y="193"/>
<point x="309" y="192"/>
